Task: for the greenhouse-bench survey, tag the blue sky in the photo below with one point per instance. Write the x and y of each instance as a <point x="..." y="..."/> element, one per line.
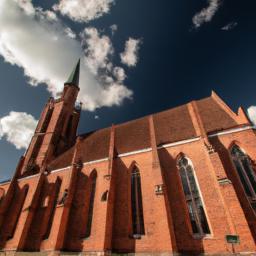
<point x="158" y="54"/>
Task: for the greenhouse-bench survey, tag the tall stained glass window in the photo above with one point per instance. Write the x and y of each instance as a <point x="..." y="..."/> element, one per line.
<point x="195" y="207"/>
<point x="245" y="172"/>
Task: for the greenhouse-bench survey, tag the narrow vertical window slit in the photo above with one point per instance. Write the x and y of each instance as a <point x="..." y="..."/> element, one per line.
<point x="136" y="204"/>
<point x="91" y="204"/>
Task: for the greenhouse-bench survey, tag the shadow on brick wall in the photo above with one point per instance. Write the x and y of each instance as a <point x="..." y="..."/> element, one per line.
<point x="122" y="241"/>
<point x="231" y="175"/>
<point x="184" y="241"/>
<point x="75" y="234"/>
<point x="12" y="214"/>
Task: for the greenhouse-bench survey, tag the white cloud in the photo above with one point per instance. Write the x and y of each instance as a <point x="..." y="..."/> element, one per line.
<point x="37" y="42"/>
<point x="229" y="26"/>
<point x="83" y="10"/>
<point x="26" y="5"/>
<point x="70" y="33"/>
<point x="206" y="14"/>
<point x="130" y="54"/>
<point x="251" y="111"/>
<point x="97" y="49"/>
<point x="96" y="117"/>
<point x="119" y="74"/>
<point x="98" y="54"/>
<point x="18" y="128"/>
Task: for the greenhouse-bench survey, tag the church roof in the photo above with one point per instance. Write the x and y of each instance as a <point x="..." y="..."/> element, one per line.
<point x="170" y="126"/>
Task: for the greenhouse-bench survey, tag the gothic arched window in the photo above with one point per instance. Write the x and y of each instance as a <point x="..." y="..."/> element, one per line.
<point x="245" y="172"/>
<point x="93" y="178"/>
<point x="136" y="204"/>
<point x="195" y="207"/>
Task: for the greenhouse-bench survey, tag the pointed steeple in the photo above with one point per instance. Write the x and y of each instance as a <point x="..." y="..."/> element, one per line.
<point x="74" y="76"/>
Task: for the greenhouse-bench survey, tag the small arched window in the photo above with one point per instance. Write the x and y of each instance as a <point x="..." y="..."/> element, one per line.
<point x="136" y="204"/>
<point x="245" y="172"/>
<point x="195" y="207"/>
<point x="104" y="196"/>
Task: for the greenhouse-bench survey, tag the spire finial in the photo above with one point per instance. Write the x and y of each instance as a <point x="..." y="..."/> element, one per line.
<point x="74" y="76"/>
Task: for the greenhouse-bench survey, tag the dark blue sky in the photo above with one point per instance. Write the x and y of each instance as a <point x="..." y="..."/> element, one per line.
<point x="177" y="63"/>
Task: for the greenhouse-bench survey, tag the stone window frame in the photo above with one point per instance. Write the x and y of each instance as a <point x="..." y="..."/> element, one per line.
<point x="238" y="159"/>
<point x="190" y="198"/>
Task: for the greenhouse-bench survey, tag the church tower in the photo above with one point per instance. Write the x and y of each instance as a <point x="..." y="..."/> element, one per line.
<point x="56" y="129"/>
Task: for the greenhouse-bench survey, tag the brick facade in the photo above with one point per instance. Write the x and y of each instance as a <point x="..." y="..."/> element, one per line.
<point x="75" y="193"/>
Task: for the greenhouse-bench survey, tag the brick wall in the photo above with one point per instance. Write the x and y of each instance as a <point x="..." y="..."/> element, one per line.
<point x="166" y="217"/>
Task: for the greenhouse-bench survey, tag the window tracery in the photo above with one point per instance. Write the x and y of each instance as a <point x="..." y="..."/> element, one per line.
<point x="246" y="173"/>
<point x="195" y="207"/>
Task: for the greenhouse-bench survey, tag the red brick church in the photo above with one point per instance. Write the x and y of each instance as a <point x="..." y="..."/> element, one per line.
<point x="182" y="181"/>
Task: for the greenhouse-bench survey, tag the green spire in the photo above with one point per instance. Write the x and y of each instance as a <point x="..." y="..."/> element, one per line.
<point x="74" y="76"/>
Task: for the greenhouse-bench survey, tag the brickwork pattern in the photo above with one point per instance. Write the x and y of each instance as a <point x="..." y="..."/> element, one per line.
<point x="57" y="172"/>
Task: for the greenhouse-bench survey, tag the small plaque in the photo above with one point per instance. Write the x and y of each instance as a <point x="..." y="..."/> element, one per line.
<point x="232" y="239"/>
